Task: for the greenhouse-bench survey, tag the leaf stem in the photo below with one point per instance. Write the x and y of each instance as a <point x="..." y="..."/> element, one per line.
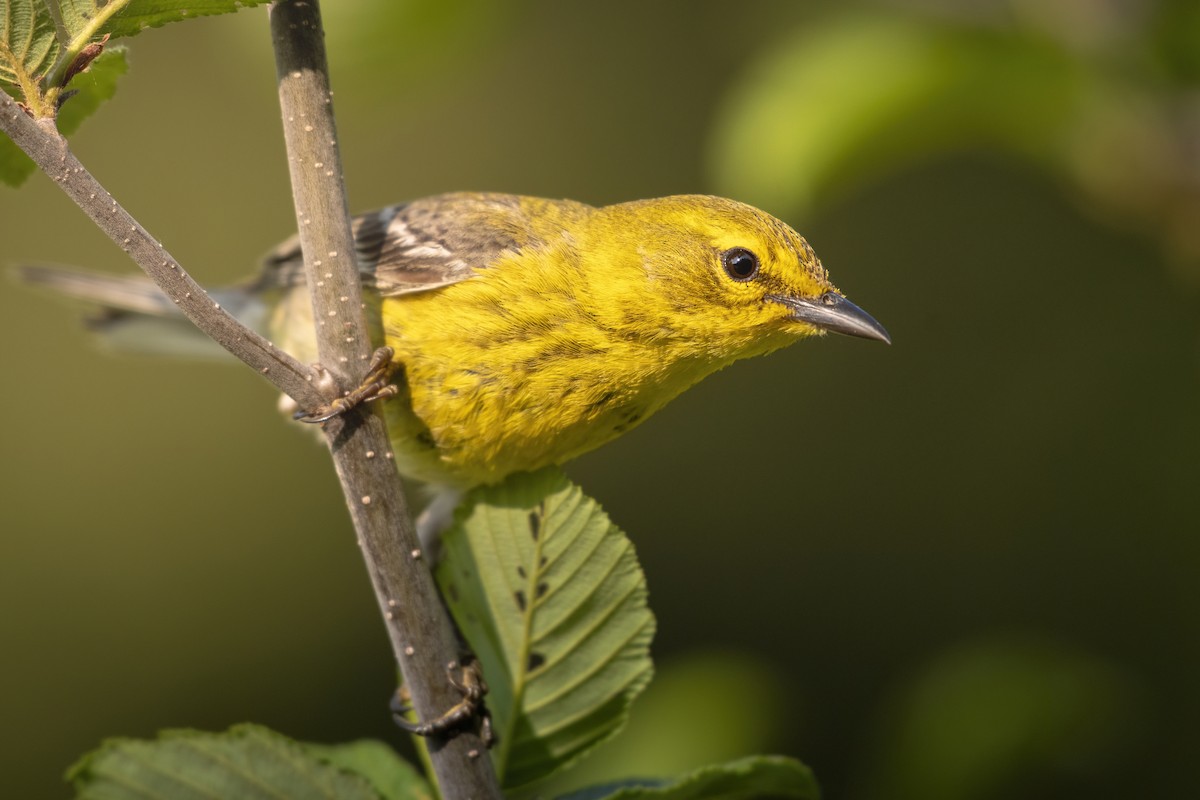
<point x="73" y="46"/>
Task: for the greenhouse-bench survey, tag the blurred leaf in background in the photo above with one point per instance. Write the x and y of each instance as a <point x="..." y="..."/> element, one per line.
<point x="404" y="42"/>
<point x="1101" y="94"/>
<point x="1004" y="717"/>
<point x="701" y="708"/>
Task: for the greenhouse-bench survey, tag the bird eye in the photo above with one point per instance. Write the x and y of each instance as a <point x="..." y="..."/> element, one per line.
<point x="740" y="264"/>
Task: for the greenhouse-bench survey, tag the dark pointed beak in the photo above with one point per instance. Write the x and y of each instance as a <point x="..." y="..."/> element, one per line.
<point x="832" y="312"/>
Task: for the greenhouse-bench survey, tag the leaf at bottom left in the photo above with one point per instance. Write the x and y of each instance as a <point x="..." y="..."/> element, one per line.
<point x="247" y="761"/>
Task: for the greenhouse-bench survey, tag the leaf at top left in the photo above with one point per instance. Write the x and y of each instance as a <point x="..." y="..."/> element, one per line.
<point x="93" y="87"/>
<point x="127" y="17"/>
<point x="28" y="46"/>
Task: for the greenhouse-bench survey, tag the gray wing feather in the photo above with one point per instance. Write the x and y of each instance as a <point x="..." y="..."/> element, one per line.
<point x="132" y="315"/>
<point x="401" y="249"/>
<point x="437" y="241"/>
<point x="133" y="293"/>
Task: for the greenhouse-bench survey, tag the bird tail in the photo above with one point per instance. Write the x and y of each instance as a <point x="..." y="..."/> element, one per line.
<point x="133" y="316"/>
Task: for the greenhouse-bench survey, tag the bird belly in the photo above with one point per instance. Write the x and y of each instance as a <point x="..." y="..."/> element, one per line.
<point x="466" y="427"/>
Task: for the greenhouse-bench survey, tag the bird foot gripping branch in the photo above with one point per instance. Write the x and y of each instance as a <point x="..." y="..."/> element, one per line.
<point x="473" y="689"/>
<point x="375" y="385"/>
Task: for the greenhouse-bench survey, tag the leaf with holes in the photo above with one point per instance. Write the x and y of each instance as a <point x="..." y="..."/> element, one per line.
<point x="551" y="598"/>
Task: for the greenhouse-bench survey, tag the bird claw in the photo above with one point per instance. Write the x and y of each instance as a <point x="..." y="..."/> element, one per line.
<point x="472" y="687"/>
<point x="374" y="386"/>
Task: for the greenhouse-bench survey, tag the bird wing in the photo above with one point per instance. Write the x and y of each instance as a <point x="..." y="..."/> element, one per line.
<point x="433" y="242"/>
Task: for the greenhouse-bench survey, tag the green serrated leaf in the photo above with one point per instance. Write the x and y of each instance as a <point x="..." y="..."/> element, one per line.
<point x="28" y="45"/>
<point x="137" y="15"/>
<point x="76" y="15"/>
<point x="93" y="87"/>
<point x="391" y="776"/>
<point x="706" y="708"/>
<point x="756" y="776"/>
<point x="247" y="762"/>
<point x="549" y="594"/>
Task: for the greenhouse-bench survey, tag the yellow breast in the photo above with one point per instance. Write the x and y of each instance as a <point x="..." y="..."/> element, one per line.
<point x="500" y="378"/>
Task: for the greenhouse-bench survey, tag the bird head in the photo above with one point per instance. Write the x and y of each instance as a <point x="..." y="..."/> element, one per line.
<point x="732" y="278"/>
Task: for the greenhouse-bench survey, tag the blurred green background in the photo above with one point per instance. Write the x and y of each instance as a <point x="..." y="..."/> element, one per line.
<point x="960" y="567"/>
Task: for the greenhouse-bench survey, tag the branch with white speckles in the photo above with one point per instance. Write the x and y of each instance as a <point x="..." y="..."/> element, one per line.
<point x="422" y="636"/>
<point x="41" y="141"/>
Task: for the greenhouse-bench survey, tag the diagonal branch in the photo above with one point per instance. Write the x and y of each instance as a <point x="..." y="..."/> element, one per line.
<point x="42" y="142"/>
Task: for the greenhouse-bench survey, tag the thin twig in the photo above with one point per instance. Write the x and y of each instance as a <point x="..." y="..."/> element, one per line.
<point x="420" y="630"/>
<point x="42" y="142"/>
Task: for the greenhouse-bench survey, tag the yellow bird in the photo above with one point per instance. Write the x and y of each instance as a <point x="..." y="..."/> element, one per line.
<point x="528" y="331"/>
